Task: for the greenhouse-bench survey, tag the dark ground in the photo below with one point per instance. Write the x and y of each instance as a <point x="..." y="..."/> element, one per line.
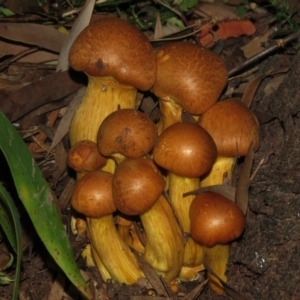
<point x="265" y="263"/>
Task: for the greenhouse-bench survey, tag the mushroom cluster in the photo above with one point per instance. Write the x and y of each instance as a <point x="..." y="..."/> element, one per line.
<point x="132" y="173"/>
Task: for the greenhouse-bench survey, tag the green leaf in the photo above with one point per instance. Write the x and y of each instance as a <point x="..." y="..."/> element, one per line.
<point x="176" y="21"/>
<point x="9" y="219"/>
<point x="6" y="12"/>
<point x="39" y="202"/>
<point x="187" y="4"/>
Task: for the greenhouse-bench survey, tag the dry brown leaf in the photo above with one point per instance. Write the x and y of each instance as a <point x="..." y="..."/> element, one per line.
<point x="154" y="279"/>
<point x="216" y="10"/>
<point x="232" y="293"/>
<point x="21" y="6"/>
<point x="253" y="85"/>
<point x="58" y="286"/>
<point x="63" y="127"/>
<point x="244" y="181"/>
<point x="81" y="22"/>
<point x="273" y="85"/>
<point x="256" y="44"/>
<point x="36" y="94"/>
<point x="45" y="37"/>
<point x="227" y="191"/>
<point x="158" y="32"/>
<point x="41" y="56"/>
<point x="195" y="292"/>
<point x="41" y="136"/>
<point x="67" y="193"/>
<point x="60" y="163"/>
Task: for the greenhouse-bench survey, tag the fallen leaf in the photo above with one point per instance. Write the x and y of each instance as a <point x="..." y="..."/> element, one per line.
<point x="231" y="292"/>
<point x="81" y="22"/>
<point x="45" y="37"/>
<point x="216" y="10"/>
<point x="154" y="279"/>
<point x="195" y="292"/>
<point x="225" y="29"/>
<point x="252" y="87"/>
<point x="38" y="93"/>
<point x="256" y="44"/>
<point x="244" y="181"/>
<point x="21" y="6"/>
<point x="227" y="191"/>
<point x="63" y="127"/>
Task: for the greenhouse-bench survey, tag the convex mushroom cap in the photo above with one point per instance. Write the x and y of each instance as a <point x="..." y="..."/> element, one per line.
<point x="85" y="157"/>
<point x="232" y="126"/>
<point x="215" y="219"/>
<point x="137" y="185"/>
<point x="128" y="132"/>
<point x="92" y="195"/>
<point x="185" y="149"/>
<point x="116" y="48"/>
<point x="189" y="75"/>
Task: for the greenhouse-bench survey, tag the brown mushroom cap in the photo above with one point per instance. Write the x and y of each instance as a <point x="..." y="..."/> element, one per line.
<point x="85" y="157"/>
<point x="92" y="195"/>
<point x="185" y="149"/>
<point x="128" y="132"/>
<point x="136" y="186"/>
<point x="189" y="75"/>
<point x="233" y="127"/>
<point x="215" y="219"/>
<point x="114" y="47"/>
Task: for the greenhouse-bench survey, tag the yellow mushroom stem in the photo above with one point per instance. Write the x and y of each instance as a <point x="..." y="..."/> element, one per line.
<point x="130" y="237"/>
<point x="217" y="256"/>
<point x="170" y="113"/>
<point x="221" y="172"/>
<point x="164" y="246"/>
<point x="103" y="96"/>
<point x="112" y="251"/>
<point x="193" y="253"/>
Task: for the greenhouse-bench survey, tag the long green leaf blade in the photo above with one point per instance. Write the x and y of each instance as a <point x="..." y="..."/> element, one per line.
<point x="39" y="202"/>
<point x="9" y="219"/>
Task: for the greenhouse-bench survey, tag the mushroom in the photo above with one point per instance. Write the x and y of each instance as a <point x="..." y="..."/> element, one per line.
<point x="215" y="222"/>
<point x="189" y="78"/>
<point x="92" y="197"/>
<point x="215" y="219"/>
<point x="85" y="157"/>
<point x="137" y="190"/>
<point x="126" y="133"/>
<point x="234" y="129"/>
<point x="186" y="151"/>
<point x="118" y="59"/>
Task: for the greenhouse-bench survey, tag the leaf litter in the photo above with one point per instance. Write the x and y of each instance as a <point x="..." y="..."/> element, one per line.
<point x="41" y="93"/>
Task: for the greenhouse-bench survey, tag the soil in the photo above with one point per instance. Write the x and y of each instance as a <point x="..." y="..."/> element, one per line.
<point x="264" y="263"/>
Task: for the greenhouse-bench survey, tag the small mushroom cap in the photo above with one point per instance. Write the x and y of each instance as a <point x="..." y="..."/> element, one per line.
<point x="185" y="149"/>
<point x="137" y="185"/>
<point x="85" y="157"/>
<point x="215" y="219"/>
<point x="232" y="126"/>
<point x="114" y="47"/>
<point x="92" y="195"/>
<point x="189" y="75"/>
<point x="128" y="132"/>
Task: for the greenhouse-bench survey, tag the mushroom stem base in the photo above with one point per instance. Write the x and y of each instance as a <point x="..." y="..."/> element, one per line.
<point x="112" y="251"/>
<point x="193" y="253"/>
<point x="164" y="247"/>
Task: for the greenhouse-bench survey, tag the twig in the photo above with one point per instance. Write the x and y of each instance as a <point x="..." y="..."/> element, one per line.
<point x="6" y="63"/>
<point x="279" y="44"/>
